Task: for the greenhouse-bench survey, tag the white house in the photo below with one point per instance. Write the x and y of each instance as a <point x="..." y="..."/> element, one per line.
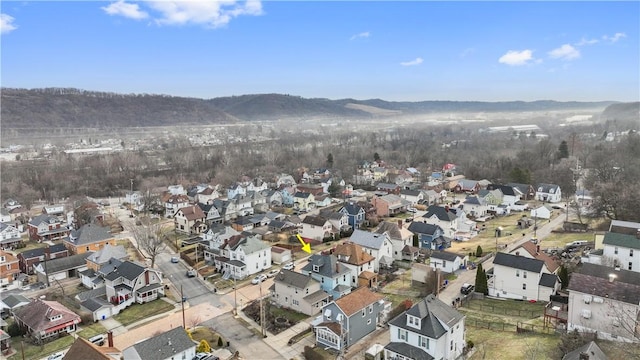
<point x="135" y="199"/>
<point x="358" y="262"/>
<point x="399" y="236"/>
<point x="541" y="212"/>
<point x="523" y="278"/>
<point x="377" y="245"/>
<point x="430" y="329"/>
<point x="441" y="216"/>
<point x="242" y="256"/>
<point x="317" y="227"/>
<point x="9" y="235"/>
<point x="299" y="292"/>
<point x="621" y="250"/>
<point x="548" y="193"/>
<point x="606" y="301"/>
<point x="447" y="261"/>
<point x="412" y="196"/>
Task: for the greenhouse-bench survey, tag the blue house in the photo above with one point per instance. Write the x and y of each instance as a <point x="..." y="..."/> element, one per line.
<point x="287" y="197"/>
<point x="430" y="236"/>
<point x="334" y="277"/>
<point x="355" y="213"/>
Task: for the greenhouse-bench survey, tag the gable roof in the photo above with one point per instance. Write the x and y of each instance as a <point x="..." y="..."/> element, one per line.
<point x="368" y="239"/>
<point x="357" y="300"/>
<point x="302" y="195"/>
<point x="394" y="230"/>
<point x="506" y="189"/>
<point x="548" y="280"/>
<point x="316" y="220"/>
<point x="328" y="266"/>
<point x="417" y="227"/>
<point x="440" y="212"/>
<point x="13" y="300"/>
<point x="408" y="192"/>
<point x="352" y="209"/>
<point x="85" y="350"/>
<point x="93" y="304"/>
<point x="518" y="262"/>
<point x="433" y="313"/>
<point x="44" y="218"/>
<point x="107" y="252"/>
<point x="89" y="234"/>
<point x="594" y="280"/>
<point x="36" y="314"/>
<point x="192" y="212"/>
<point x="532" y="249"/>
<point x="163" y="346"/>
<point x="67" y="262"/>
<point x="292" y="278"/>
<point x="547" y="188"/>
<point x="408" y="351"/>
<point x="127" y="270"/>
<point x="351" y="253"/>
<point x="445" y="255"/>
<point x="622" y="240"/>
<point x="37" y="252"/>
<point x="591" y="349"/>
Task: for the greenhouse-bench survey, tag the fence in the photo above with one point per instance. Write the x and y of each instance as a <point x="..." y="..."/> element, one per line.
<point x="530" y="314"/>
<point x="519" y="328"/>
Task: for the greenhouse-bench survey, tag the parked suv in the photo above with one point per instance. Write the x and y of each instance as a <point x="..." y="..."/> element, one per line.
<point x="467" y="289"/>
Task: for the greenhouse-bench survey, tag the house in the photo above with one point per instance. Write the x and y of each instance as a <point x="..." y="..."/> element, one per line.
<point x="30" y="258"/>
<point x="211" y="214"/>
<point x="348" y="319"/>
<point x="90" y="237"/>
<point x="532" y="251"/>
<point x="206" y="194"/>
<point x="317" y="227"/>
<point x="377" y="245"/>
<point x="11" y="204"/>
<point x="242" y="223"/>
<point x="285" y="179"/>
<point x="334" y="277"/>
<point x="412" y="196"/>
<point x="298" y="292"/>
<point x="9" y="270"/>
<point x="358" y="262"/>
<point x="475" y="206"/>
<point x="5" y="343"/>
<point x="398" y="235"/>
<point x="280" y="255"/>
<point x="548" y="193"/>
<point x="588" y="351"/>
<point x="13" y="302"/>
<point x="99" y="258"/>
<point x="491" y="197"/>
<point x="214" y="238"/>
<point x="389" y="188"/>
<point x="322" y="200"/>
<point x="522" y="278"/>
<point x="429" y="330"/>
<point x="86" y="350"/>
<point x="313" y="189"/>
<point x="242" y="256"/>
<point x="190" y="220"/>
<point x="467" y="186"/>
<point x="604" y="300"/>
<point x="510" y="194"/>
<point x="528" y="192"/>
<point x="45" y="320"/>
<point x="130" y="283"/>
<point x="303" y="201"/>
<point x="541" y="212"/>
<point x="173" y="344"/>
<point x="242" y="204"/>
<point x="443" y="217"/>
<point x="430" y="236"/>
<point x="622" y="250"/>
<point x="135" y="200"/>
<point x="389" y="205"/>
<point x="226" y="208"/>
<point x="447" y="261"/>
<point x="173" y="203"/>
<point x="61" y="268"/>
<point x="355" y="214"/>
<point x="5" y="217"/>
<point x="430" y="197"/>
<point x="9" y="236"/>
<point x="46" y="227"/>
<point x="338" y="220"/>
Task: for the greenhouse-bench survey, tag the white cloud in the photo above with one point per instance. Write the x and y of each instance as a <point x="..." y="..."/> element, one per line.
<point x="131" y="11"/>
<point x="6" y="24"/>
<point x="208" y="13"/>
<point x="565" y="52"/>
<point x="584" y="41"/>
<point x="361" y="35"/>
<point x="416" y="61"/>
<point x="615" y="37"/>
<point x="516" y="58"/>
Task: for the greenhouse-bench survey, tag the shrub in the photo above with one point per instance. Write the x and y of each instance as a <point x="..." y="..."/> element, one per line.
<point x="220" y="342"/>
<point x="14" y="330"/>
<point x="309" y="354"/>
<point x="203" y="346"/>
<point x="479" y="251"/>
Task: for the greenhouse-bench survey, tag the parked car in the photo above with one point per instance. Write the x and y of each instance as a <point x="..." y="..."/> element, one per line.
<point x="191" y="273"/>
<point x="273" y="273"/>
<point x="56" y="356"/>
<point x="289" y="266"/>
<point x="467" y="289"/>
<point x="202" y="356"/>
<point x="258" y="279"/>
<point x="98" y="340"/>
<point x="174" y="259"/>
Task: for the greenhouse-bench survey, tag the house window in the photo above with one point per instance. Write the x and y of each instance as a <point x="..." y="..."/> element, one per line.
<point x="517" y="273"/>
<point x="524" y="286"/>
<point x="364" y="312"/>
<point x="316" y="268"/>
<point x="423" y="342"/>
<point x="451" y="347"/>
<point x="615" y="250"/>
<point x="444" y="263"/>
<point x="630" y="265"/>
<point x="307" y="290"/>
<point x="524" y="274"/>
<point x="87" y="248"/>
<point x="370" y="309"/>
<point x="295" y="302"/>
<point x="402" y="334"/>
<point x="369" y="322"/>
<point x="630" y="252"/>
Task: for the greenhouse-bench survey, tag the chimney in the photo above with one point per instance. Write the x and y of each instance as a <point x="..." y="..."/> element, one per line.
<point x="612" y="277"/>
<point x="110" y="338"/>
<point x="537" y="249"/>
<point x="400" y="224"/>
<point x="584" y="356"/>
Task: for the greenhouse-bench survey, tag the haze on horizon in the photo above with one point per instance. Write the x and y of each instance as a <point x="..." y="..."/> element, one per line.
<point x="395" y="51"/>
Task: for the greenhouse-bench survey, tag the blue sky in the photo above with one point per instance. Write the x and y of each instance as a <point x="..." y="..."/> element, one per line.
<point x="398" y="51"/>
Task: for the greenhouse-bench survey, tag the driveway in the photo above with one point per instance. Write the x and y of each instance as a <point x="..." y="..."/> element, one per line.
<point x="242" y="339"/>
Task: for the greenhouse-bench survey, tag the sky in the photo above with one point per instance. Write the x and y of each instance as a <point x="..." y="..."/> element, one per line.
<point x="391" y="50"/>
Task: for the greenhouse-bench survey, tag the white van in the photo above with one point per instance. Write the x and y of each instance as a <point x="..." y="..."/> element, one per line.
<point x="98" y="340"/>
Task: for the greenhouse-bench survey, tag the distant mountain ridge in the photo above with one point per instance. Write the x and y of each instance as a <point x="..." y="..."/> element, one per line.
<point x="76" y="108"/>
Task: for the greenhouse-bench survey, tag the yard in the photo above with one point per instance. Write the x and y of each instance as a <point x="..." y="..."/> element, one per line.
<point x="38" y="351"/>
<point x="277" y="319"/>
<point x="137" y="312"/>
<point x="204" y="333"/>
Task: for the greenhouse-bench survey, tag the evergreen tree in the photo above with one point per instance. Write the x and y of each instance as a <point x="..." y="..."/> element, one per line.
<point x="563" y="150"/>
<point x="376" y="157"/>
<point x="330" y="161"/>
<point x="416" y="241"/>
<point x="479" y="251"/>
<point x="481" y="280"/>
<point x="563" y="274"/>
<point x="518" y="175"/>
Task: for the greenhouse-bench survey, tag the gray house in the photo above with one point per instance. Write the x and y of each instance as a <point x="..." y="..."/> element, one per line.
<point x="173" y="344"/>
<point x="347" y="320"/>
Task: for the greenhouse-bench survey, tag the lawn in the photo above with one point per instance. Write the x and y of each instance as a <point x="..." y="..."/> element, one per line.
<point x="293" y="316"/>
<point x="39" y="351"/>
<point x="508" y="345"/>
<point x="204" y="333"/>
<point x="138" y="312"/>
<point x="89" y="331"/>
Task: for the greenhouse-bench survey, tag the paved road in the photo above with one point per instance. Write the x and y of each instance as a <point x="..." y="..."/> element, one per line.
<point x="242" y="339"/>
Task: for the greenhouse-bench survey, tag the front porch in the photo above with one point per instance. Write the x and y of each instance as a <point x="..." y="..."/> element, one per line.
<point x="149" y="293"/>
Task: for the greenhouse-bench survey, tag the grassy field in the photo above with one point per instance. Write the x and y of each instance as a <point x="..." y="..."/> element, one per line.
<point x="138" y="312"/>
<point x="91" y="330"/>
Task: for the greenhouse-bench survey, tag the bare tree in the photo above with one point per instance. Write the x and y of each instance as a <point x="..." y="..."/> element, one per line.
<point x="195" y="321"/>
<point x="149" y="238"/>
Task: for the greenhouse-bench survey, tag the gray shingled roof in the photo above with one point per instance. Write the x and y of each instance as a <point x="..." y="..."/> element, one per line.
<point x="37" y="252"/>
<point x="594" y="280"/>
<point x="314" y="220"/>
<point x="90" y="294"/>
<point x="390" y="228"/>
<point x="445" y="255"/>
<point x="518" y="262"/>
<point x="433" y="312"/>
<point x="15" y="299"/>
<point x="163" y="346"/>
<point x="127" y="270"/>
<point x="408" y="351"/>
<point x="328" y="265"/>
<point x="417" y="227"/>
<point x="548" y="280"/>
<point x="93" y="304"/>
<point x="591" y="348"/>
<point x="292" y="278"/>
<point x="109" y="251"/>
<point x="622" y="240"/>
<point x="89" y="234"/>
<point x="352" y="209"/>
<point x="440" y="212"/>
<point x="66" y="263"/>
<point x="368" y="239"/>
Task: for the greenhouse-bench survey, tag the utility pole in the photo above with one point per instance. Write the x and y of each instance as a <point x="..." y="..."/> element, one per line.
<point x="261" y="313"/>
<point x="184" y="326"/>
<point x="235" y="297"/>
<point x="47" y="252"/>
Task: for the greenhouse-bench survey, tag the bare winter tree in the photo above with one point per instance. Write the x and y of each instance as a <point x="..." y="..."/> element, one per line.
<point x="149" y="238"/>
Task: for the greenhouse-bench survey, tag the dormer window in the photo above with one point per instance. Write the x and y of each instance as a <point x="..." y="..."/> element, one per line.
<point x="413" y="321"/>
<point x="55" y="317"/>
<point x="316" y="268"/>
